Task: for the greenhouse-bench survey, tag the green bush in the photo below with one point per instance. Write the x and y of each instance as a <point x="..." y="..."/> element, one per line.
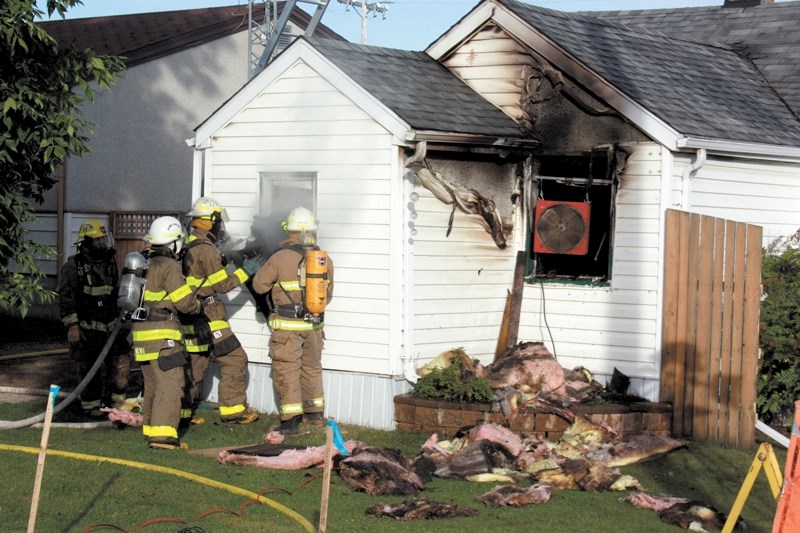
<point x="453" y="384"/>
<point x="779" y="367"/>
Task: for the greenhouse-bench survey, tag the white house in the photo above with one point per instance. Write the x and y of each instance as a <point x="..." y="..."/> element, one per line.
<point x="382" y="143"/>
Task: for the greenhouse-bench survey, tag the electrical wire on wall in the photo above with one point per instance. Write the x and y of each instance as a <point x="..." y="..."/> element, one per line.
<point x="543" y="314"/>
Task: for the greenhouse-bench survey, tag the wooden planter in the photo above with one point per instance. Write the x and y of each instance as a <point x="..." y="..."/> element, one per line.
<point x="417" y="415"/>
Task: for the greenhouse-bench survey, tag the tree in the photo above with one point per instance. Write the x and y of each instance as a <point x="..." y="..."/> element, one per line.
<point x="42" y="87"/>
<point x="779" y="365"/>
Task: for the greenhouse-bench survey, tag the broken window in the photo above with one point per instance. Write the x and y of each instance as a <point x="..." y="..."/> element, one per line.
<point x="572" y="217"/>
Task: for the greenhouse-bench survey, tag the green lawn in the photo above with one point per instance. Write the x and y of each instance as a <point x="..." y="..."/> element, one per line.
<point x="82" y="494"/>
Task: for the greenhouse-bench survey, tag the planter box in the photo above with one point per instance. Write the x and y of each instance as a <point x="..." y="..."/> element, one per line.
<point x="417" y="415"/>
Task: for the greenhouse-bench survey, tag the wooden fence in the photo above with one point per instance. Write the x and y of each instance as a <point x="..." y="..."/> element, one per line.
<point x="712" y="291"/>
<point x="128" y="228"/>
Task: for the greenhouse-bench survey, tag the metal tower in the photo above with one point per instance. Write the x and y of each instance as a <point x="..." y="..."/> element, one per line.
<point x="268" y="28"/>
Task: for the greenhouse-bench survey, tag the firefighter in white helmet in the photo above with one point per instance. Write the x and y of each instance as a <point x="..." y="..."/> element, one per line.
<point x="209" y="334"/>
<point x="87" y="292"/>
<point x="296" y="339"/>
<point x="158" y="341"/>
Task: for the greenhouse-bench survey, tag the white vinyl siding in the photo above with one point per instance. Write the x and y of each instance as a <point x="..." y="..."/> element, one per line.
<point x="302" y="123"/>
<point x="494" y="65"/>
<point x="755" y="192"/>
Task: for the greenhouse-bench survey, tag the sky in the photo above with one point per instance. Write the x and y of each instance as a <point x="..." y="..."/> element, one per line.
<point x="408" y="24"/>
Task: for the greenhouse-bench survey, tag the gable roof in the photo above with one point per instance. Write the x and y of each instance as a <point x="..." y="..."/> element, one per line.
<point x="143" y="37"/>
<point x="418" y="89"/>
<point x="386" y="84"/>
<point x="765" y="34"/>
<point x="682" y="92"/>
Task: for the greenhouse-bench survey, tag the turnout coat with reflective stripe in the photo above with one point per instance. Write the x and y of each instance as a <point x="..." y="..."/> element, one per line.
<point x="87" y="292"/>
<point x="279" y="274"/>
<point x="165" y="292"/>
<point x="206" y="273"/>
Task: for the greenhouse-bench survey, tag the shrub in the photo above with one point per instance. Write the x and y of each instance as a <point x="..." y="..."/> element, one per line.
<point x="779" y="366"/>
<point x="453" y="384"/>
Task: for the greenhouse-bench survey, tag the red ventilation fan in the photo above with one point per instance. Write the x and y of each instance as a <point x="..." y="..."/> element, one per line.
<point x="561" y="228"/>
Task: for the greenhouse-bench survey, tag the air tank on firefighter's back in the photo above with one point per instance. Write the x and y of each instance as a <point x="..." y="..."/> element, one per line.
<point x="316" y="281"/>
<point x="131" y="283"/>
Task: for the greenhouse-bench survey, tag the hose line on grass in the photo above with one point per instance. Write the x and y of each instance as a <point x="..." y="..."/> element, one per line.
<point x="7" y="424"/>
<point x="165" y="470"/>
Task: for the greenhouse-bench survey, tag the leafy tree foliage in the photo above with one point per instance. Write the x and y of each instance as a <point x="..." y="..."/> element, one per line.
<point x="42" y="86"/>
<point x="779" y="367"/>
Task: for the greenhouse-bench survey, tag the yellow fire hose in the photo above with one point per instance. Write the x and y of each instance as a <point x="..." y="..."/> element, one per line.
<point x="164" y="470"/>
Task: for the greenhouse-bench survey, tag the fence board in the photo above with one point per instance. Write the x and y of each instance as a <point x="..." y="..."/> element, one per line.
<point x="710" y="334"/>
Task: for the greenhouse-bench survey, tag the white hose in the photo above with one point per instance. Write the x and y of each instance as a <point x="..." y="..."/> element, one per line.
<point x="31" y="392"/>
<point x="7" y="424"/>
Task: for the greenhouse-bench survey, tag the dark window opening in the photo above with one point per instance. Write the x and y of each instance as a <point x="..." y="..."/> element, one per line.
<point x="571" y="230"/>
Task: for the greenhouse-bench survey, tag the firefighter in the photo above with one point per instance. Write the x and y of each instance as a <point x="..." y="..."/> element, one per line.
<point x="88" y="307"/>
<point x="297" y="337"/>
<point x="157" y="340"/>
<point x="209" y="334"/>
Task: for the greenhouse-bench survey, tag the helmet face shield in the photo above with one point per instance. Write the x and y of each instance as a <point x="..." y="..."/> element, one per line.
<point x="93" y="235"/>
<point x="103" y="243"/>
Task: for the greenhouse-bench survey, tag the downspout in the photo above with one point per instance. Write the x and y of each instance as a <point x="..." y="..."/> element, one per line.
<point x="408" y="359"/>
<point x="688" y="174"/>
<point x="61" y="196"/>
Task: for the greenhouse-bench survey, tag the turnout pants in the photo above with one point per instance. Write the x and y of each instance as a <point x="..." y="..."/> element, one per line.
<point x="162" y="401"/>
<point x="111" y="380"/>
<point x="297" y="371"/>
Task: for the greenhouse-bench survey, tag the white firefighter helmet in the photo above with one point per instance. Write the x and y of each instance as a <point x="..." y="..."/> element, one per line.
<point x="166" y="230"/>
<point x="93" y="233"/>
<point x="205" y="207"/>
<point x="301" y="219"/>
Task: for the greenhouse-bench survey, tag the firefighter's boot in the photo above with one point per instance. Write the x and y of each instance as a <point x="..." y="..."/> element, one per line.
<point x="291" y="426"/>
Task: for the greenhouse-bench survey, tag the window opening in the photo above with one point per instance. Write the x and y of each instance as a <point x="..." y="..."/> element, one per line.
<point x="279" y="193"/>
<point x="572" y="219"/>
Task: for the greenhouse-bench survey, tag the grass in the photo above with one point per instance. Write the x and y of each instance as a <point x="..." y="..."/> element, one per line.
<point x="79" y="495"/>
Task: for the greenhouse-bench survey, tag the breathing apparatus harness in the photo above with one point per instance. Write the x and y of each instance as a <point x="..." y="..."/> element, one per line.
<point x="312" y="282"/>
<point x="130" y="297"/>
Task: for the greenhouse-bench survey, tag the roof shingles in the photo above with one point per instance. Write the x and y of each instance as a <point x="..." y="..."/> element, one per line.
<point x="418" y="89"/>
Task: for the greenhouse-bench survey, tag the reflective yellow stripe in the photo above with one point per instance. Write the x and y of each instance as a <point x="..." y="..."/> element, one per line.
<point x="241" y="274"/>
<point x="292" y="409"/>
<point x="104" y="290"/>
<point x="140" y="355"/>
<point x="317" y="402"/>
<point x="193" y="347"/>
<point x="156" y="335"/>
<point x="186" y="413"/>
<point x="193" y="281"/>
<point x="154" y="296"/>
<point x="70" y="320"/>
<point x="216" y="277"/>
<point x="163" y="431"/>
<point x="289" y="285"/>
<point x="216" y="325"/>
<point x="180" y="293"/>
<point x="232" y="410"/>
<point x="146" y="430"/>
<point x="293" y="325"/>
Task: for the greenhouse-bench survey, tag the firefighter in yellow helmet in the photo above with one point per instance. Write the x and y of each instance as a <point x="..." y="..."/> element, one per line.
<point x="88" y="307"/>
<point x="209" y="334"/>
<point x="158" y="341"/>
<point x="296" y="339"/>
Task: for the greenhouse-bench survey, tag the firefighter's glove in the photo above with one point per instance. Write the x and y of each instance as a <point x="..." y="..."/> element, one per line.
<point x="252" y="265"/>
<point x="74" y="335"/>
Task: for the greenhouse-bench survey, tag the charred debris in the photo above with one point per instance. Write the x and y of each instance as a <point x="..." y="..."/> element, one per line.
<point x="522" y="469"/>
